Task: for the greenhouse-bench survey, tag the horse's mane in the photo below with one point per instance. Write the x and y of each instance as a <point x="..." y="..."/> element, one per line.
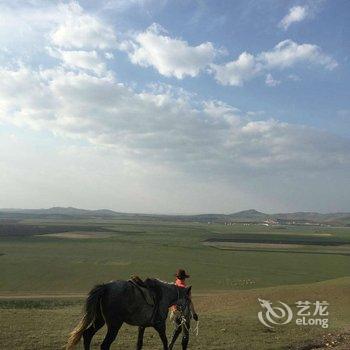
<point x="158" y="282"/>
<point x="165" y="282"/>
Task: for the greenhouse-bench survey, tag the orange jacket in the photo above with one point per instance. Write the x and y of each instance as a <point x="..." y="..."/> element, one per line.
<point x="180" y="283"/>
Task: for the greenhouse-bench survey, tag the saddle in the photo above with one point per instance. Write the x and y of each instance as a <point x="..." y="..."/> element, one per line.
<point x="147" y="292"/>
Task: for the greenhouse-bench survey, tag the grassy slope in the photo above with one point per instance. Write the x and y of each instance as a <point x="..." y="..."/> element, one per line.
<point x="228" y="320"/>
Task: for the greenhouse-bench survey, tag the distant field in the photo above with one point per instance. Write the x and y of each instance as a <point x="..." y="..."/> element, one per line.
<point x="117" y="249"/>
<point x="66" y="258"/>
<point x="306" y="244"/>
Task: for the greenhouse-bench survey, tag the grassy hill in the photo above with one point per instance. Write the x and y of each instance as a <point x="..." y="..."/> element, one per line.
<point x="228" y="320"/>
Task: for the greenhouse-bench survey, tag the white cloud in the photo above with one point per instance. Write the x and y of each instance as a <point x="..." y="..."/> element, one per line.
<point x="23" y="90"/>
<point x="88" y="60"/>
<point x="295" y="14"/>
<point x="162" y="128"/>
<point x="285" y="54"/>
<point x="237" y="72"/>
<point x="270" y="81"/>
<point x="171" y="57"/>
<point x="27" y="28"/>
<point x="81" y="30"/>
<point x="293" y="77"/>
<point x="125" y="5"/>
<point x="288" y="53"/>
<point x="109" y="55"/>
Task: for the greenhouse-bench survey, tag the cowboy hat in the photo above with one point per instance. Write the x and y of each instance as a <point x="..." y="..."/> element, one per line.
<point x="181" y="274"/>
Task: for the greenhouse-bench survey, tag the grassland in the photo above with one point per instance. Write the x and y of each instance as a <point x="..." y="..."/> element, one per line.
<point x="46" y="271"/>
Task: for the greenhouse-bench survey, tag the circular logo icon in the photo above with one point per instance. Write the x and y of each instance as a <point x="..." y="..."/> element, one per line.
<point x="274" y="315"/>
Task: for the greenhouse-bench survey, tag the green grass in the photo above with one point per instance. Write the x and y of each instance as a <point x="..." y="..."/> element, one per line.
<point x="227" y="282"/>
<point x="37" y="304"/>
<point x="40" y="264"/>
<point x="228" y="320"/>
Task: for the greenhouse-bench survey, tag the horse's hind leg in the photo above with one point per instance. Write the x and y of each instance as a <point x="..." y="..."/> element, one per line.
<point x="161" y="329"/>
<point x="90" y="332"/>
<point x="140" y="338"/>
<point x="112" y="332"/>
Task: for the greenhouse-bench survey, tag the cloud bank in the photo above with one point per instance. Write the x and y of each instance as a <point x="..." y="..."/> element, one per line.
<point x="161" y="127"/>
<point x="78" y="97"/>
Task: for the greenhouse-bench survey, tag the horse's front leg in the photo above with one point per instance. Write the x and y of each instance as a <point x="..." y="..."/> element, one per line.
<point x="161" y="329"/>
<point x="186" y="335"/>
<point x="176" y="333"/>
<point x="140" y="338"/>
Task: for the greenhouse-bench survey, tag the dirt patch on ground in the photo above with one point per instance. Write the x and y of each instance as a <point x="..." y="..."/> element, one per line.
<point x="322" y="234"/>
<point x="224" y="245"/>
<point x="338" y="341"/>
<point x="79" y="235"/>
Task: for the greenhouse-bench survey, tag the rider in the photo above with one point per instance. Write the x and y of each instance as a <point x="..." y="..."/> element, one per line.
<point x="180" y="281"/>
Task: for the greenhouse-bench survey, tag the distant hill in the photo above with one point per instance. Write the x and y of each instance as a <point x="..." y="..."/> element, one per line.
<point x="312" y="216"/>
<point x="63" y="211"/>
<point x="248" y="216"/>
<point x="76" y="211"/>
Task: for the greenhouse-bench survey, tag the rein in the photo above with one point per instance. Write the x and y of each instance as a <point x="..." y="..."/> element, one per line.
<point x="183" y="323"/>
<point x="183" y="319"/>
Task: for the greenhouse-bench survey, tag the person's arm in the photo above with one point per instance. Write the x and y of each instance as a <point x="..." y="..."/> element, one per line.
<point x="193" y="311"/>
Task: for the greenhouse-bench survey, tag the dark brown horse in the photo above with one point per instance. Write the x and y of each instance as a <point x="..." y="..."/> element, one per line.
<point x="117" y="302"/>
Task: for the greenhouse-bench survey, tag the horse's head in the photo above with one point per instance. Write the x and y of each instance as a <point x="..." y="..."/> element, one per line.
<point x="184" y="298"/>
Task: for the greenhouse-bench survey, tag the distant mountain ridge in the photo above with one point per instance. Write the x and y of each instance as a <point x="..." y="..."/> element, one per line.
<point x="65" y="211"/>
<point x="250" y="215"/>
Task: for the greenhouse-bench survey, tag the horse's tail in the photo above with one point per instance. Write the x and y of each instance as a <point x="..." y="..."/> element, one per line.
<point x="92" y="309"/>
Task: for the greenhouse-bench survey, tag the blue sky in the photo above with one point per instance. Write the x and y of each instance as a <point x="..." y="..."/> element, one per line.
<point x="252" y="26"/>
<point x="175" y="106"/>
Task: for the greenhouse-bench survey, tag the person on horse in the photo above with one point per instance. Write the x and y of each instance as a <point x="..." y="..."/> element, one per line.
<point x="180" y="281"/>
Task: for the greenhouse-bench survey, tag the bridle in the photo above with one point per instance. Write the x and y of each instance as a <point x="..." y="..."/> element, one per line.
<point x="181" y="306"/>
<point x="183" y="316"/>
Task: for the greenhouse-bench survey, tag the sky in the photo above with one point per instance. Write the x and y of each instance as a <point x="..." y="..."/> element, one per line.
<point x="160" y="106"/>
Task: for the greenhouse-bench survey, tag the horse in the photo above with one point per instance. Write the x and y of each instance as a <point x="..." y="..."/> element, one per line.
<point x="121" y="301"/>
<point x="182" y="321"/>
